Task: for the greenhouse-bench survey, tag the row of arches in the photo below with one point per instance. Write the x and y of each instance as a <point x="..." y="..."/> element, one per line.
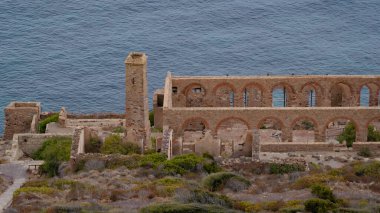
<point x="283" y="95"/>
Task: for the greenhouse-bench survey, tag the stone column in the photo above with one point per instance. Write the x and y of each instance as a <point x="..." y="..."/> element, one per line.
<point x="136" y="88"/>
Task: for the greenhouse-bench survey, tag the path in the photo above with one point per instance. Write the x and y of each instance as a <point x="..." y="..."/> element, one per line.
<point x="17" y="171"/>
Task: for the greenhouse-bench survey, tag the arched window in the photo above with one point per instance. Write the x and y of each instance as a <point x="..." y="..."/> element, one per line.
<point x="279" y="97"/>
<point x="232" y="98"/>
<point x="364" y="96"/>
<point x="245" y="98"/>
<point x="312" y="98"/>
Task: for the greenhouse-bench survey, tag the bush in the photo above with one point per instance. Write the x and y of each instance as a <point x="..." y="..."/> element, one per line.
<point x="323" y="192"/>
<point x="348" y="134"/>
<point x="93" y="145"/>
<point x="119" y="129"/>
<point x="203" y="197"/>
<point x="152" y="160"/>
<point x="309" y="180"/>
<point x="42" y="124"/>
<point x="217" y="181"/>
<point x="317" y="205"/>
<point x="114" y="144"/>
<point x="370" y="169"/>
<point x="54" y="151"/>
<point x="184" y="208"/>
<point x="373" y="135"/>
<point x="276" y="168"/>
<point x="182" y="164"/>
<point x="365" y="152"/>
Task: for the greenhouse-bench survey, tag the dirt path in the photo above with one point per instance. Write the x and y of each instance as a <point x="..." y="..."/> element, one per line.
<point x="16" y="171"/>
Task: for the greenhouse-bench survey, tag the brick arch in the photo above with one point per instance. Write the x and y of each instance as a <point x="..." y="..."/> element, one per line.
<point x="187" y="89"/>
<point x="351" y="93"/>
<point x="373" y="88"/>
<point x="372" y="120"/>
<point x="357" y="127"/>
<point x="254" y="85"/>
<point x="222" y="85"/>
<point x="261" y="122"/>
<point x="283" y="84"/>
<point x="188" y="121"/>
<point x="304" y="94"/>
<point x="304" y="118"/>
<point x="229" y="118"/>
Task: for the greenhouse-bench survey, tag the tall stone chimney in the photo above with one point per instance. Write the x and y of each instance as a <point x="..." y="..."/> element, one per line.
<point x="136" y="107"/>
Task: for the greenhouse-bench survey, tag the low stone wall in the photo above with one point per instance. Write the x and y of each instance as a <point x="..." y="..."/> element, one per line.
<point x="108" y="123"/>
<point x="29" y="143"/>
<point x="96" y="116"/>
<point x="373" y="146"/>
<point x="298" y="147"/>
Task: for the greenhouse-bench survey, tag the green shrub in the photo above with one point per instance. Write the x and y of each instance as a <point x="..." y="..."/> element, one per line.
<point x="348" y="134"/>
<point x="119" y="129"/>
<point x="365" y="152"/>
<point x="114" y="144"/>
<point x="184" y="208"/>
<point x="151" y="118"/>
<point x="323" y="192"/>
<point x="203" y="197"/>
<point x="217" y="181"/>
<point x="350" y="210"/>
<point x="316" y="205"/>
<point x="152" y="160"/>
<point x="93" y="145"/>
<point x="40" y="190"/>
<point x="42" y="124"/>
<point x="276" y="168"/>
<point x="370" y="169"/>
<point x="182" y="164"/>
<point x="54" y="151"/>
<point x="373" y="135"/>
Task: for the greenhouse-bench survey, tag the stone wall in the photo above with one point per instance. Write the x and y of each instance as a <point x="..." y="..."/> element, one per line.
<point x="158" y="103"/>
<point x="101" y="123"/>
<point x="19" y="118"/>
<point x="256" y="91"/>
<point x="29" y="143"/>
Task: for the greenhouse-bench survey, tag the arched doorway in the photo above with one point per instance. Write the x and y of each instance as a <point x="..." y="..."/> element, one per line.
<point x="270" y="130"/>
<point x="304" y="130"/>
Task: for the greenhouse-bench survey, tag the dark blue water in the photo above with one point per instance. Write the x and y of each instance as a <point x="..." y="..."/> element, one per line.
<point x="70" y="53"/>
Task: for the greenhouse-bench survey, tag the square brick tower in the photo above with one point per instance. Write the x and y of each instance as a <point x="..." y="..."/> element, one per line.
<point x="136" y="89"/>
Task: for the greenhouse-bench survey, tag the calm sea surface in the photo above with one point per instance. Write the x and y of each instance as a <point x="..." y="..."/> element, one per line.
<point x="70" y="53"/>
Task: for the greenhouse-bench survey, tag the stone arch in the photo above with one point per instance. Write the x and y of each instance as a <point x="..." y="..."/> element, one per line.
<point x="336" y="125"/>
<point x="271" y="130"/>
<point x="252" y="95"/>
<point x="304" y="129"/>
<point x="305" y="94"/>
<point x="373" y="98"/>
<point x="224" y="95"/>
<point x="341" y="95"/>
<point x="233" y="134"/>
<point x="193" y="129"/>
<point x="289" y="94"/>
<point x="195" y="94"/>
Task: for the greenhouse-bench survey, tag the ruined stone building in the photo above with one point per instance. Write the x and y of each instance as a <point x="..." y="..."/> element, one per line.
<point x="227" y="116"/>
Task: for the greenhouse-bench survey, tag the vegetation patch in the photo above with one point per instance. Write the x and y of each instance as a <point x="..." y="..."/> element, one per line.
<point x="114" y="144"/>
<point x="39" y="190"/>
<point x="217" y="181"/>
<point x="152" y="160"/>
<point x="277" y="168"/>
<point x="309" y="180"/>
<point x="54" y="151"/>
<point x="93" y="145"/>
<point x="50" y="119"/>
<point x="323" y="192"/>
<point x="373" y="134"/>
<point x="317" y="205"/>
<point x="182" y="164"/>
<point x="185" y="208"/>
<point x="348" y="134"/>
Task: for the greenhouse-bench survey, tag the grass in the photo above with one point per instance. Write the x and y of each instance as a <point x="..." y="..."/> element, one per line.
<point x="39" y="190"/>
<point x="276" y="168"/>
<point x="184" y="208"/>
<point x="114" y="144"/>
<point x="54" y="151"/>
<point x="42" y="124"/>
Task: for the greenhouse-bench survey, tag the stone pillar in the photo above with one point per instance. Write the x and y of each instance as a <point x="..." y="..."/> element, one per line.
<point x="136" y="89"/>
<point x="256" y="145"/>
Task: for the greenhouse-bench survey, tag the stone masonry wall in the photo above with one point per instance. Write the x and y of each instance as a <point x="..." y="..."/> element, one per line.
<point x="19" y="117"/>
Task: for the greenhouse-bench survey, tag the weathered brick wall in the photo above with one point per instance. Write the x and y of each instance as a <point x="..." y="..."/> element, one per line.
<point x="298" y="147"/>
<point x="178" y="118"/>
<point x="215" y="89"/>
<point x="136" y="87"/>
<point x="108" y="123"/>
<point x="19" y="117"/>
<point x="30" y="143"/>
